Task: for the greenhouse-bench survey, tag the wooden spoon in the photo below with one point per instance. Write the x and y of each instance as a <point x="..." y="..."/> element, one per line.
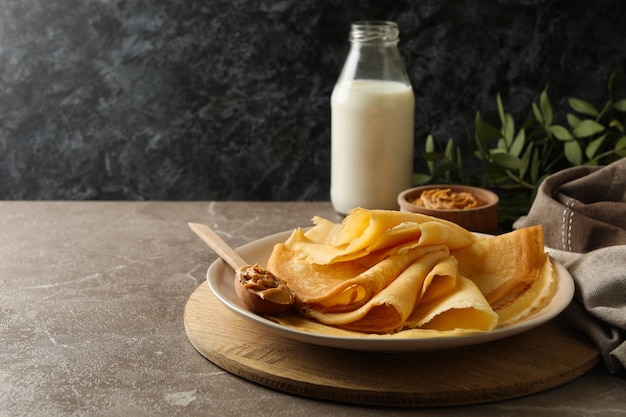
<point x="260" y="290"/>
<point x="220" y="247"/>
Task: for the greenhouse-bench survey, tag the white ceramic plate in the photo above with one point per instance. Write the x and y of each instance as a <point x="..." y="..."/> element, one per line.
<point x="220" y="278"/>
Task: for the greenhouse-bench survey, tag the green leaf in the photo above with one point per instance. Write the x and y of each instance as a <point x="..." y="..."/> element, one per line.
<point x="500" y="109"/>
<point x="573" y="152"/>
<point x="587" y="128"/>
<point x="561" y="133"/>
<point x="479" y="136"/>
<point x="429" y="148"/>
<point x="430" y="144"/>
<point x="615" y="85"/>
<point x="507" y="161"/>
<point x="444" y="170"/>
<point x="449" y="152"/>
<point x="534" y="166"/>
<point x="421" y="179"/>
<point x="486" y="131"/>
<point x="537" y="114"/>
<point x="508" y="129"/>
<point x="546" y="108"/>
<point x="620" y="105"/>
<point x="582" y="106"/>
<point x="593" y="146"/>
<point x="617" y="124"/>
<point x="620" y="148"/>
<point x="526" y="160"/>
<point x="518" y="143"/>
<point x="433" y="156"/>
<point x="494" y="174"/>
<point x="572" y="120"/>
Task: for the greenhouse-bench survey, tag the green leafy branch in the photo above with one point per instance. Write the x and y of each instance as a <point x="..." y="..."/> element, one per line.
<point x="514" y="161"/>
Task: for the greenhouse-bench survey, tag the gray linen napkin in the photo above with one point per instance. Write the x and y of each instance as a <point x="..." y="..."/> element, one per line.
<point x="583" y="213"/>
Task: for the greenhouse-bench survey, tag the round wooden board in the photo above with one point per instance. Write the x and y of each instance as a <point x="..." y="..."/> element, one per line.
<point x="524" y="364"/>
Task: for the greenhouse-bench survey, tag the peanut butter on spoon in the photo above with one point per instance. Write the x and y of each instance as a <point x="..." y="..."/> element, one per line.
<point x="260" y="290"/>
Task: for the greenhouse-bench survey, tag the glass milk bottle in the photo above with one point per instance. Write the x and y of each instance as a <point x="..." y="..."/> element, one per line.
<point x="372" y="122"/>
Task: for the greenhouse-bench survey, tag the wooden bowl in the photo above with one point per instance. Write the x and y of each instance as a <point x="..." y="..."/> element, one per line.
<point x="483" y="219"/>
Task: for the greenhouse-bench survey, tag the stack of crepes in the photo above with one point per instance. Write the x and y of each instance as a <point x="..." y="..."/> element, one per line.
<point x="382" y="272"/>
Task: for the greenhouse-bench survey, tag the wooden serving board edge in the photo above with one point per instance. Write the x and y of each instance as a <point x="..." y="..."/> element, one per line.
<point x="202" y="306"/>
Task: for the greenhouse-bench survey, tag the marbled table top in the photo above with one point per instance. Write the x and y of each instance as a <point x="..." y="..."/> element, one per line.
<point x="91" y="317"/>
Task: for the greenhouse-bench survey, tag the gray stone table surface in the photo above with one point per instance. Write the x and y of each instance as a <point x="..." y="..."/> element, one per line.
<point x="91" y="317"/>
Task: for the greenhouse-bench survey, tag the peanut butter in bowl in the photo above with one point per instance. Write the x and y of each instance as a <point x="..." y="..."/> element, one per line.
<point x="473" y="208"/>
<point x="446" y="199"/>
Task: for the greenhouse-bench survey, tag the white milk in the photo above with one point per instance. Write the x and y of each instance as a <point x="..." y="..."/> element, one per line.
<point x="372" y="144"/>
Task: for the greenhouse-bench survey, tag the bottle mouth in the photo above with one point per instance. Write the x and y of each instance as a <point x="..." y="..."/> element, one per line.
<point x="374" y="31"/>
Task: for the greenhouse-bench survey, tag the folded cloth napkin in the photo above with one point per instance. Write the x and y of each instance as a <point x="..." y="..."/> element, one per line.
<point x="583" y="213"/>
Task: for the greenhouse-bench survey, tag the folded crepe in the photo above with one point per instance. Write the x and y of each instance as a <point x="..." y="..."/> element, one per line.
<point x="340" y="286"/>
<point x="388" y="272"/>
<point x="369" y="273"/>
<point x="512" y="270"/>
<point x="367" y="231"/>
<point x="425" y="277"/>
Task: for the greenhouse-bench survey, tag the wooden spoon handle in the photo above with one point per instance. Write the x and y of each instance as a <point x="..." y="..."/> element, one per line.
<point x="218" y="245"/>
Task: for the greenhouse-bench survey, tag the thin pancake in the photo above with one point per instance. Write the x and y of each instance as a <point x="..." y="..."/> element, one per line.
<point x="388" y="272"/>
<point x="512" y="271"/>
<point x="519" y="306"/>
<point x="387" y="311"/>
<point x="343" y="286"/>
<point x="463" y="308"/>
<point x="365" y="231"/>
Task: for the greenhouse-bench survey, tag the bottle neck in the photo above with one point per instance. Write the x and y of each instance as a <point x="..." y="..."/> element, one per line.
<point x="374" y="53"/>
<point x="374" y="33"/>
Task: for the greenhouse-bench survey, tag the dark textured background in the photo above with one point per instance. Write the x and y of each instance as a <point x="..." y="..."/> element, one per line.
<point x="229" y="100"/>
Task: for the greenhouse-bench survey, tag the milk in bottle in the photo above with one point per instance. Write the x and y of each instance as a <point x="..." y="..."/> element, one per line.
<point x="372" y="122"/>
